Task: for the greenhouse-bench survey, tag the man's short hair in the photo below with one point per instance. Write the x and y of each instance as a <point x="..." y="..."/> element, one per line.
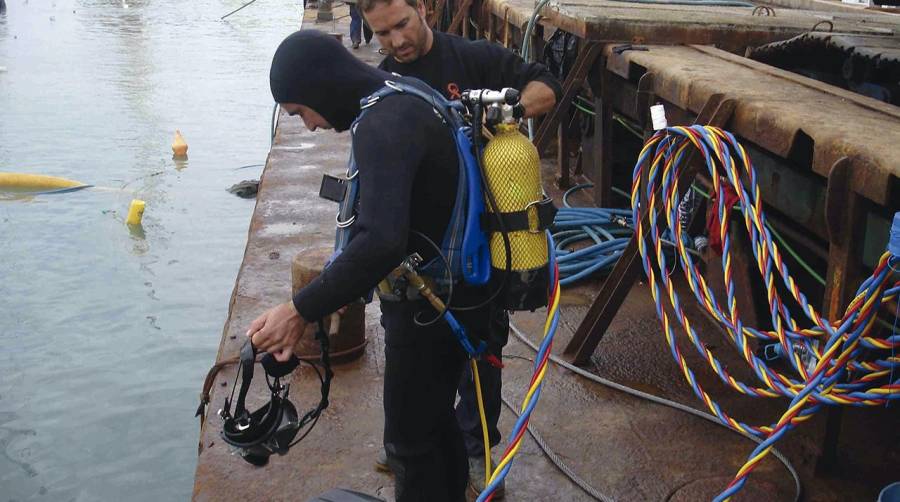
<point x="366" y="5"/>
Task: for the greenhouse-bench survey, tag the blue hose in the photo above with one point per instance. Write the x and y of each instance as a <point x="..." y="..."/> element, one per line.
<point x="607" y="231"/>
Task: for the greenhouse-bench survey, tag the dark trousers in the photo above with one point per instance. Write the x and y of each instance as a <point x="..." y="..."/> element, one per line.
<point x="492" y="325"/>
<point x="357" y="24"/>
<point x="424" y="445"/>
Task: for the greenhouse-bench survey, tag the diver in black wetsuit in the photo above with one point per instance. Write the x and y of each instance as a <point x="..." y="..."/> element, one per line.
<point x="408" y="173"/>
<point x="452" y="64"/>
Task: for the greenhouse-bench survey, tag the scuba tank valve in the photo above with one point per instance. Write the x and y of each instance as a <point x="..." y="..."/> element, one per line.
<point x="473" y="97"/>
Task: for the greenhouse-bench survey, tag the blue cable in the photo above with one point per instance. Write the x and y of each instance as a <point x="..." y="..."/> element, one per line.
<point x="607" y="230"/>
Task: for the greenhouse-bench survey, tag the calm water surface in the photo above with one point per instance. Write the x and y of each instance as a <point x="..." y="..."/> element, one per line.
<point x="106" y="334"/>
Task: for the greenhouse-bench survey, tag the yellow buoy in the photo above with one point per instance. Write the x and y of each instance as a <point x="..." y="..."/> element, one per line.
<point x="179" y="145"/>
<point x="135" y="212"/>
<point x="23" y="182"/>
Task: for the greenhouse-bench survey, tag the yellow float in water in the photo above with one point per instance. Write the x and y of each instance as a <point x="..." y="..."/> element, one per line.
<point x="23" y="182"/>
<point x="135" y="212"/>
<point x="179" y="145"/>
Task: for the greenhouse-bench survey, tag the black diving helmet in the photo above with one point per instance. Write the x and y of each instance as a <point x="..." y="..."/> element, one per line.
<point x="272" y="427"/>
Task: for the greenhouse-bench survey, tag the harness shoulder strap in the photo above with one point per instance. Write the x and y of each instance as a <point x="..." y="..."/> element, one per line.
<point x="448" y="110"/>
<point x="464" y="245"/>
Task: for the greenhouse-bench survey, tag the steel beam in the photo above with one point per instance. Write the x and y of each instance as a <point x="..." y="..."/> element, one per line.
<point x="845" y="213"/>
<point x="573" y="83"/>
<point x="461" y="13"/>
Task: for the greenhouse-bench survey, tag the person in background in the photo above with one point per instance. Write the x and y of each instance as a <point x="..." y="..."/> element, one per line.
<point x="357" y="25"/>
<point x="452" y="64"/>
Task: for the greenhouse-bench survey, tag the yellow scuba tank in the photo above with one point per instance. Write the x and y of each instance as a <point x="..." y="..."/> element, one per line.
<point x="513" y="174"/>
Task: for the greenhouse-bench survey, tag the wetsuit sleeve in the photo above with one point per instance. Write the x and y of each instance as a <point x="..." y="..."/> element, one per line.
<point x="500" y="67"/>
<point x="388" y="148"/>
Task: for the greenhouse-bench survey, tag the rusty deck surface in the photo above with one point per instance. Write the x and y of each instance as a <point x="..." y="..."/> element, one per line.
<point x="774" y="107"/>
<point x="731" y="28"/>
<point x="629" y="449"/>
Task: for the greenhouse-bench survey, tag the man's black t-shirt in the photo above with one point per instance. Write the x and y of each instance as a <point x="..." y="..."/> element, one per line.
<point x="455" y="64"/>
<point x="408" y="172"/>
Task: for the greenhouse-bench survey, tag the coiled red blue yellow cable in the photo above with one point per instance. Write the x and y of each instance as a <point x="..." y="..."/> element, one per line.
<point x="827" y="357"/>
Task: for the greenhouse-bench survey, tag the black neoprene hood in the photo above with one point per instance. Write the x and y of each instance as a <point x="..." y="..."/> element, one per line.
<point x="313" y="69"/>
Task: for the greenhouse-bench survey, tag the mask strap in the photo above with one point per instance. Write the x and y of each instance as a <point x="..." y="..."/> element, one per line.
<point x="248" y="359"/>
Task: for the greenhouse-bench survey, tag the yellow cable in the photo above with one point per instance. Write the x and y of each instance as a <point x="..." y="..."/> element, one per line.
<point x="484" y="431"/>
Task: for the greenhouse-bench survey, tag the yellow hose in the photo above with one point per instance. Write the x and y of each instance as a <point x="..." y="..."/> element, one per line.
<point x="484" y="430"/>
<point x="22" y="182"/>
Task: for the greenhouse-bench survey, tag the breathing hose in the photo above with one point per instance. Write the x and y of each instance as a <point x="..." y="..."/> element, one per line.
<point x="484" y="431"/>
<point x="836" y="362"/>
<point x="607" y="230"/>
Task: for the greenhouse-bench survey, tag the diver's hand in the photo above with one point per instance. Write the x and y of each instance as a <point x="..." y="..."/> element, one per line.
<point x="277" y="330"/>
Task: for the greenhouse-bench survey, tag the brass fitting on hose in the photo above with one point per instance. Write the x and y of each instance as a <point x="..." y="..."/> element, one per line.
<point x="408" y="267"/>
<point x="408" y="271"/>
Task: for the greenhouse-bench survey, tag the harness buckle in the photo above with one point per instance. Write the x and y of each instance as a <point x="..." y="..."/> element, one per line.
<point x="371" y="101"/>
<point x="393" y="85"/>
<point x="344" y="224"/>
<point x="536" y="229"/>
